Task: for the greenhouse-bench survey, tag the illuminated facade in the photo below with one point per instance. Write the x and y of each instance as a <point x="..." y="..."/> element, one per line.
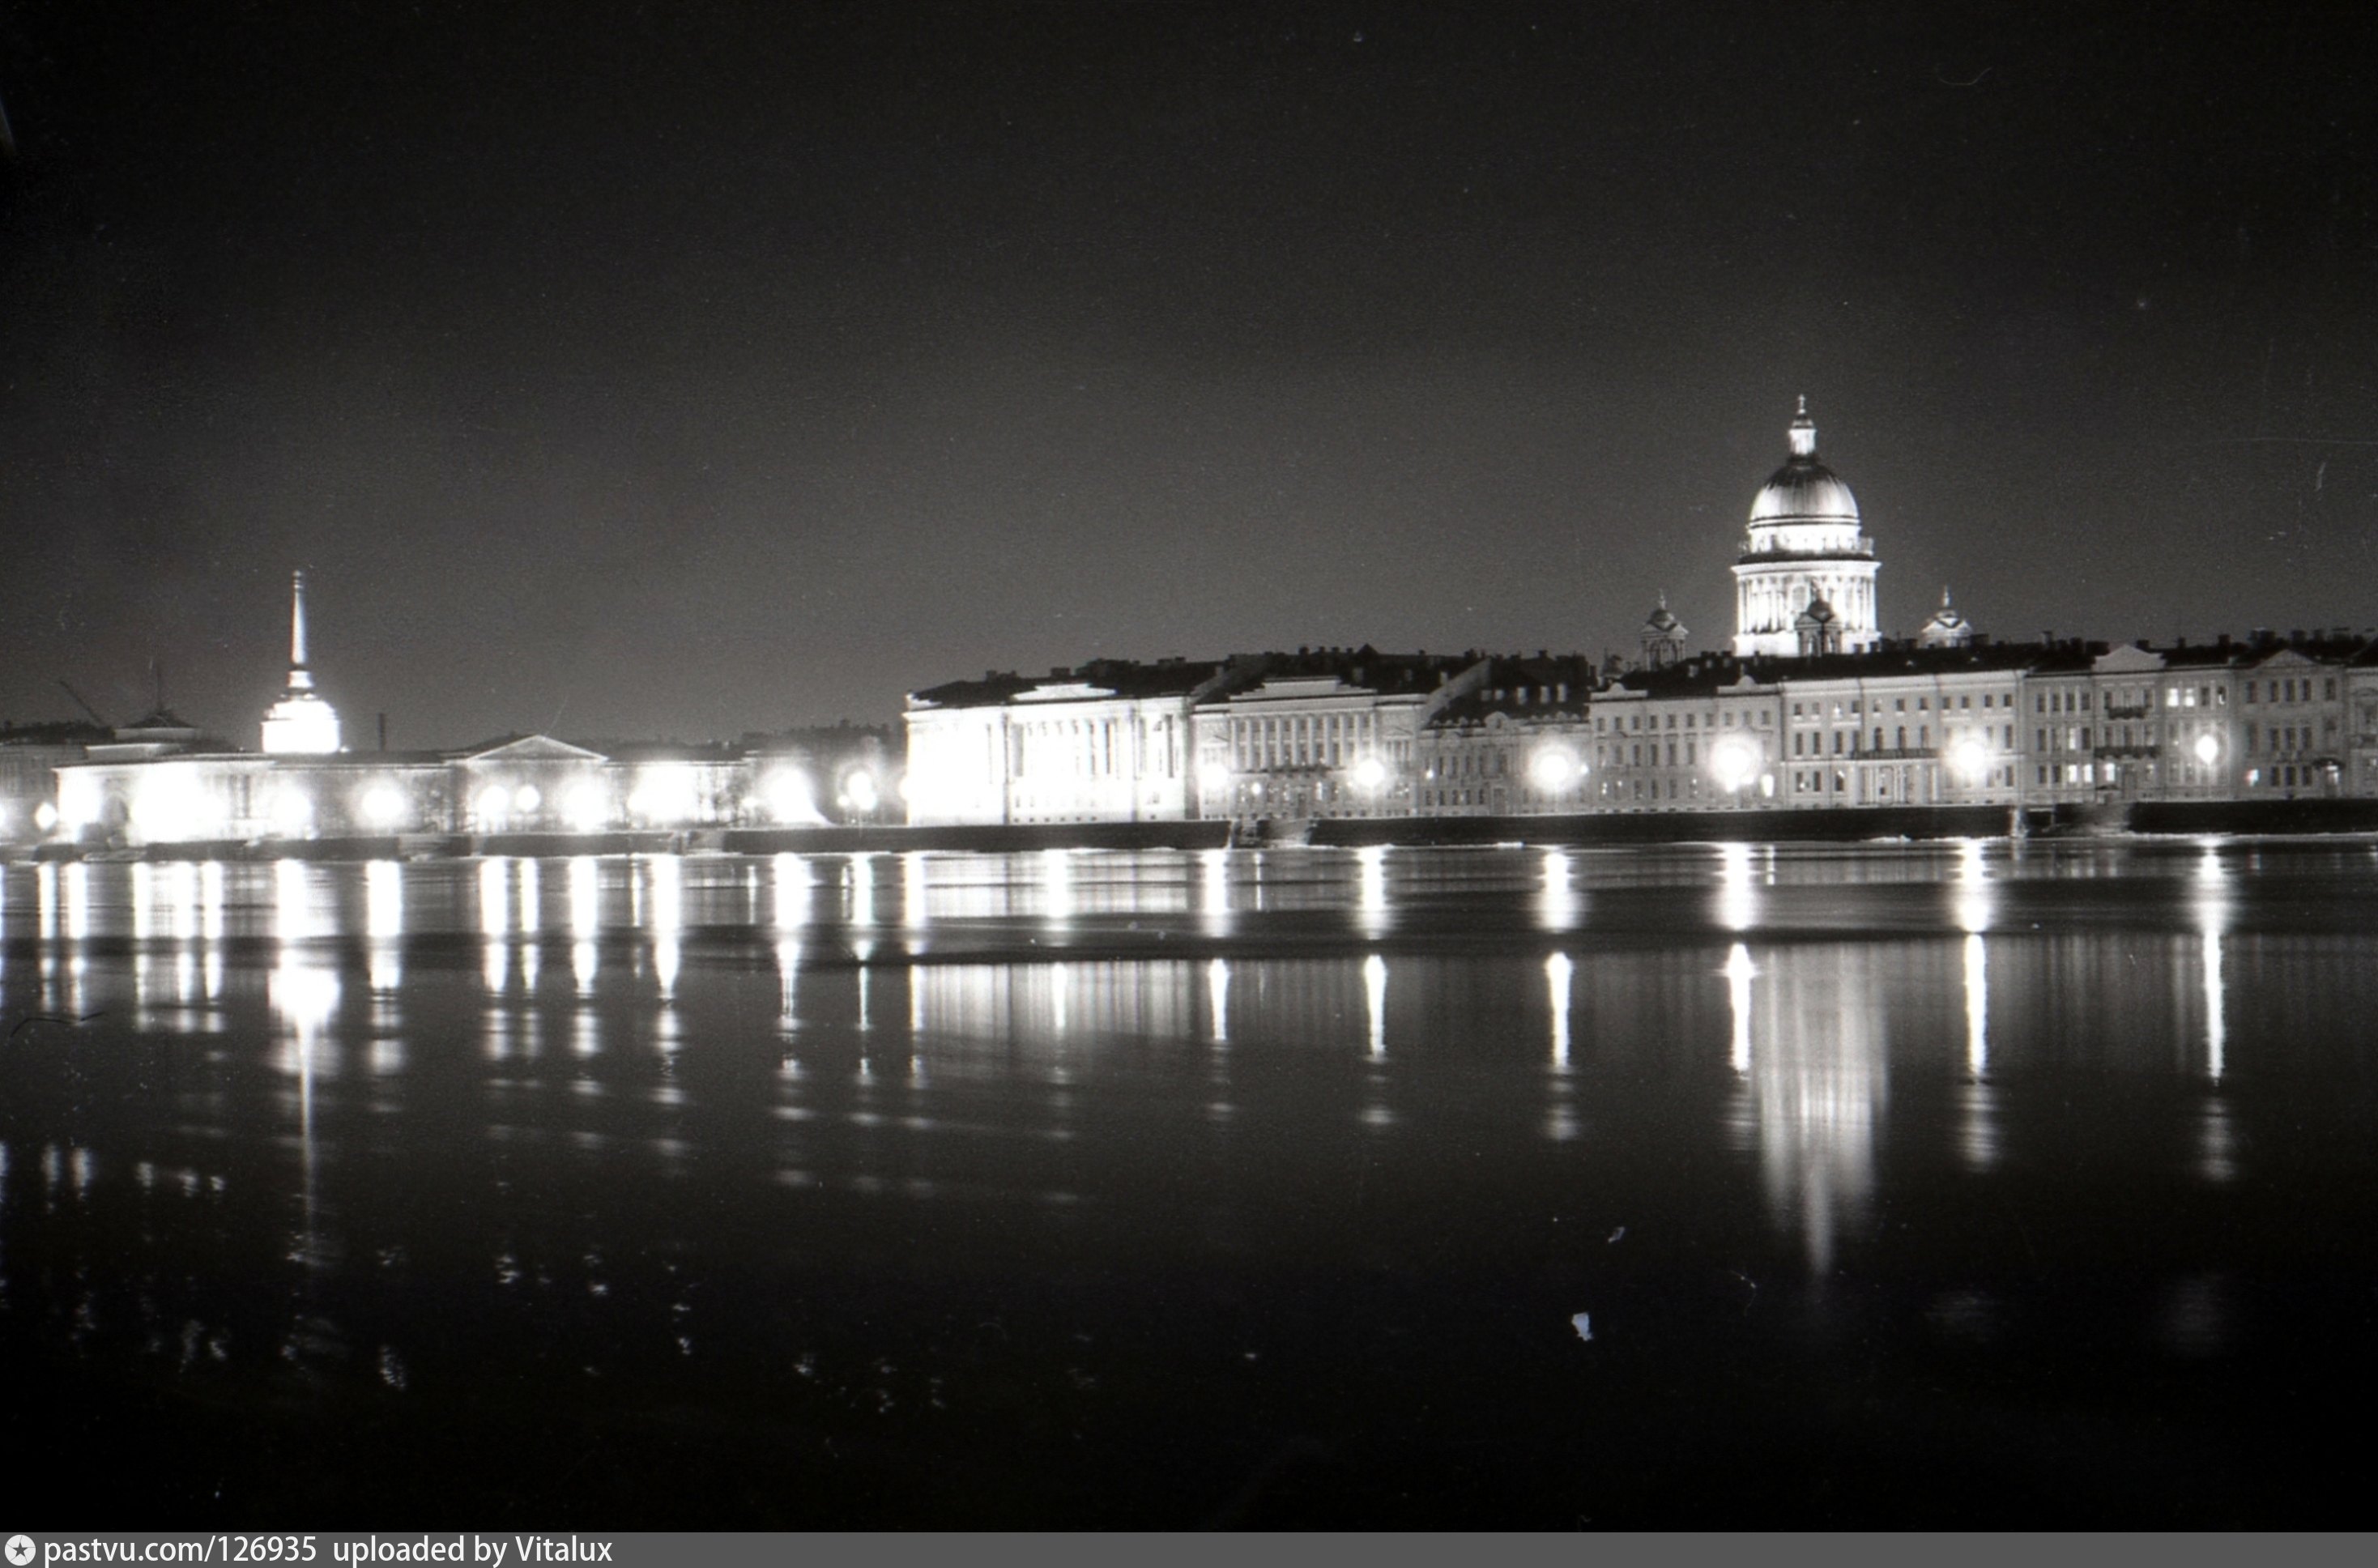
<point x="1110" y="742"/>
<point x="1805" y="582"/>
<point x="1332" y="733"/>
<point x="1518" y="743"/>
<point x="1811" y="710"/>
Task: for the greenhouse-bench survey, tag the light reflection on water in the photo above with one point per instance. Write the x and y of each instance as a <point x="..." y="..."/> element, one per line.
<point x="1827" y="1039"/>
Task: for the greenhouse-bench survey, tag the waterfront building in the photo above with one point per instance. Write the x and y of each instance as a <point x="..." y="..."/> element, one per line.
<point x="1517" y="744"/>
<point x="1806" y="579"/>
<point x="1921" y="726"/>
<point x="1323" y="733"/>
<point x="1113" y="741"/>
<point x="30" y="756"/>
<point x="1699" y="735"/>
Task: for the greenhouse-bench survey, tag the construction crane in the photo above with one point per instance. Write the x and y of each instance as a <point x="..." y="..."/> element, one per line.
<point x="86" y="707"/>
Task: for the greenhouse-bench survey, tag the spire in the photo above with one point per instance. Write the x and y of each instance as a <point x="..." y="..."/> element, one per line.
<point x="301" y="722"/>
<point x="1804" y="432"/>
<point x="300" y="678"/>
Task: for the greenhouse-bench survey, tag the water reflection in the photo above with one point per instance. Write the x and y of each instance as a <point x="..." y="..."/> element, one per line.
<point x="1557" y="971"/>
<point x="1057" y="888"/>
<point x="1371" y="867"/>
<point x="1811" y="1040"/>
<point x="1737" y="902"/>
<point x="1739" y="972"/>
<point x="914" y="913"/>
<point x="2211" y="906"/>
<point x="1198" y="1094"/>
<point x="665" y="918"/>
<point x="790" y="883"/>
<point x="1557" y="903"/>
<point x="1976" y="901"/>
<point x="1214" y="879"/>
<point x="1375" y="1001"/>
<point x="384" y="924"/>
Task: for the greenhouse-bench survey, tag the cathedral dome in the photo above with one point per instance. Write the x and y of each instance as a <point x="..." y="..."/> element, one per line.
<point x="1804" y="490"/>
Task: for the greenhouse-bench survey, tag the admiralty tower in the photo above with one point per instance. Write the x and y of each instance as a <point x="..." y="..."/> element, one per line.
<point x="1805" y="583"/>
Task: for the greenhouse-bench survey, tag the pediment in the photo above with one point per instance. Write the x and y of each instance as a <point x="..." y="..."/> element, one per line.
<point x="2287" y="659"/>
<point x="2130" y="659"/>
<point x="533" y="749"/>
<point x="1068" y="691"/>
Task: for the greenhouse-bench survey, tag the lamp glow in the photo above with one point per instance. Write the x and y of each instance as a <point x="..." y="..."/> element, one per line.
<point x="1553" y="769"/>
<point x="858" y="790"/>
<point x="525" y="799"/>
<point x="585" y="807"/>
<point x="495" y="804"/>
<point x="666" y="794"/>
<point x="1735" y="761"/>
<point x="2208" y="749"/>
<point x="789" y="796"/>
<point x="292" y="813"/>
<point x="1970" y="757"/>
<point x="1370" y="775"/>
<point x="46" y="816"/>
<point x="383" y="805"/>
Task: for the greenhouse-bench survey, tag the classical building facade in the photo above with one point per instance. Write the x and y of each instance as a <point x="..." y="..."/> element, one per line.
<point x="1811" y="709"/>
<point x="1805" y="582"/>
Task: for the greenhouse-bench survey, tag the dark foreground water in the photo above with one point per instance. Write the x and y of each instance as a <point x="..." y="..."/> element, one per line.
<point x="1930" y="1184"/>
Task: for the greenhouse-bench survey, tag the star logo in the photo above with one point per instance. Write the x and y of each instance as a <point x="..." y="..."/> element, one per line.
<point x="20" y="1551"/>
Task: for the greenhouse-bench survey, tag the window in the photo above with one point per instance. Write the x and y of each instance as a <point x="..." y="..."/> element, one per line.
<point x="2328" y="689"/>
<point x="2250" y="692"/>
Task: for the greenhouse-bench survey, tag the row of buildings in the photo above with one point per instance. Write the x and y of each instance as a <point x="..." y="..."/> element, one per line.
<point x="1810" y="707"/>
<point x="162" y="781"/>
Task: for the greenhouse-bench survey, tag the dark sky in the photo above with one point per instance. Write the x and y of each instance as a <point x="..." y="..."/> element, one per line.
<point x="676" y="370"/>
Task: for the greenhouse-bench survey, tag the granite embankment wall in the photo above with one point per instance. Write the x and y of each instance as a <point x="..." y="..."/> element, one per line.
<point x="2244" y="817"/>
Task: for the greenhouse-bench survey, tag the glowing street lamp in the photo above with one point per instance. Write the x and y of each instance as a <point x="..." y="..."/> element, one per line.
<point x="293" y="813"/>
<point x="383" y="805"/>
<point x="1735" y="761"/>
<point x="789" y="796"/>
<point x="1970" y="757"/>
<point x="495" y="805"/>
<point x="858" y="791"/>
<point x="1554" y="768"/>
<point x="1370" y="775"/>
<point x="2208" y="748"/>
<point x="586" y="808"/>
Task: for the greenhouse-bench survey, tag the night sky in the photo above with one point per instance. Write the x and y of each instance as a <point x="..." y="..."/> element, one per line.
<point x="681" y="370"/>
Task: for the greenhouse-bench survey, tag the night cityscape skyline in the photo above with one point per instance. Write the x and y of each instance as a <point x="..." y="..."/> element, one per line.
<point x="736" y="371"/>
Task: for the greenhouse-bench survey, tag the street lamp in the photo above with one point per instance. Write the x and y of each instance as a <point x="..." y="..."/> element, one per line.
<point x="1736" y="760"/>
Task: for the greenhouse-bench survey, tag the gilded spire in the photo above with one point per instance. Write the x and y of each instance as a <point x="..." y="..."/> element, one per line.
<point x="300" y="678"/>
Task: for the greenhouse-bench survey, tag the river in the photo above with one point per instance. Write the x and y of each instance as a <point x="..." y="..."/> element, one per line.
<point x="1931" y="1184"/>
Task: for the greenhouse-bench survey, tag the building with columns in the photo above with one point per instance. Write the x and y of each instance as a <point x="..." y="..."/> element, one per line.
<point x="1805" y="583"/>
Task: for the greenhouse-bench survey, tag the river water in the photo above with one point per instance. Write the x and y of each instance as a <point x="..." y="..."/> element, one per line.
<point x="1724" y="1185"/>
